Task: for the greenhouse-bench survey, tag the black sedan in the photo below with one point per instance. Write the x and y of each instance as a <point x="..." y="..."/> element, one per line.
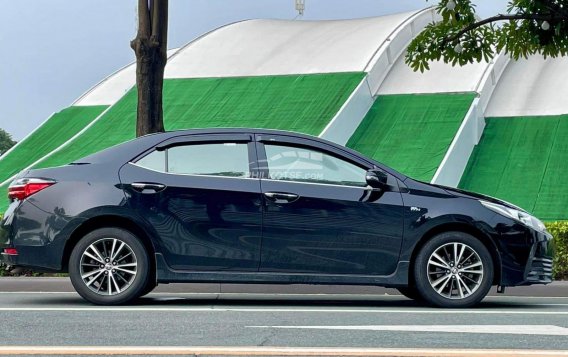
<point x="263" y="206"/>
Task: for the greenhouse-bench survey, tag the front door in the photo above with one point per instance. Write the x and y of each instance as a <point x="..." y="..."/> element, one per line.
<point x="319" y="214"/>
<point x="201" y="198"/>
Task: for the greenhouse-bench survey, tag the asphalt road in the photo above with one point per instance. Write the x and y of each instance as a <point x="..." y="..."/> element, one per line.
<point x="46" y="312"/>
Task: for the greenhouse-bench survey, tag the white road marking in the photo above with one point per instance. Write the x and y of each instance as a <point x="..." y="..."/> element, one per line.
<point x="524" y="297"/>
<point x="268" y="351"/>
<point x="547" y="330"/>
<point x="339" y="295"/>
<point x="371" y="297"/>
<point x="157" y="308"/>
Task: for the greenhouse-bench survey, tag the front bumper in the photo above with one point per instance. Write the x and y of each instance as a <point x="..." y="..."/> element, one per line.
<point x="539" y="266"/>
<point x="525" y="253"/>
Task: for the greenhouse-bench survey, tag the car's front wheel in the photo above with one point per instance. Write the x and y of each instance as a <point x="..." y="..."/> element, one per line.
<point x="109" y="266"/>
<point x="453" y="269"/>
<point x="410" y="292"/>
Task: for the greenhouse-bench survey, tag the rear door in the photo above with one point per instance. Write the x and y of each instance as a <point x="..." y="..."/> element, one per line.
<point x="201" y="196"/>
<point x="320" y="216"/>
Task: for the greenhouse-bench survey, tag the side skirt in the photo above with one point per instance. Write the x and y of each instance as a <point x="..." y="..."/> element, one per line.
<point x="165" y="275"/>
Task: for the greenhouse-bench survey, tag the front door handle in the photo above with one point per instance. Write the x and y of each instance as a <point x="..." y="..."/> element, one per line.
<point x="281" y="197"/>
<point x="146" y="187"/>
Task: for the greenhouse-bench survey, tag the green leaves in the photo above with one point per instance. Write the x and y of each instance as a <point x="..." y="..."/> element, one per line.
<point x="530" y="27"/>
<point x="6" y="141"/>
<point x="559" y="248"/>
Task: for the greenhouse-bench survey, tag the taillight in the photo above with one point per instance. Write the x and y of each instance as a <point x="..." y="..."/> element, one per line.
<point x="10" y="251"/>
<point x="24" y="188"/>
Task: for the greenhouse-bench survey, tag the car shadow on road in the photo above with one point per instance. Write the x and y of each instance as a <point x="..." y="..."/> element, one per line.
<point x="386" y="302"/>
<point x="173" y="301"/>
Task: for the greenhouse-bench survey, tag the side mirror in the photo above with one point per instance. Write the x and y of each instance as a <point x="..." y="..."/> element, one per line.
<point x="376" y="179"/>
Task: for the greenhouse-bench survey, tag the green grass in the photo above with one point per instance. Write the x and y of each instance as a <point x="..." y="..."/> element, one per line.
<point x="4" y="197"/>
<point x="412" y="132"/>
<point x="59" y="128"/>
<point x="523" y="160"/>
<point x="304" y="103"/>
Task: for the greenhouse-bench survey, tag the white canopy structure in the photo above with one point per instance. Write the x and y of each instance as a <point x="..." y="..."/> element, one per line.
<point x="344" y="80"/>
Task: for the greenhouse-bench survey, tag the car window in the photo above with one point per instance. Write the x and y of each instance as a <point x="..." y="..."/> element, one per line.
<point x="156" y="161"/>
<point x="218" y="159"/>
<point x="308" y="165"/>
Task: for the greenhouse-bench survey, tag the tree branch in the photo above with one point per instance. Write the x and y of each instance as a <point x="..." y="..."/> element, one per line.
<point x="502" y="17"/>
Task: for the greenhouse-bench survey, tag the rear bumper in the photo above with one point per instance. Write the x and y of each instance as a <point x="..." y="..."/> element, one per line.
<point x="38" y="236"/>
<point x="6" y="230"/>
<point x="5" y="236"/>
<point x="8" y="259"/>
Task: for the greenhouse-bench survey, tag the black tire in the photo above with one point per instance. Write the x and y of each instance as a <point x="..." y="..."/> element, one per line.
<point x="150" y="286"/>
<point x="151" y="282"/>
<point x="410" y="292"/>
<point x="479" y="288"/>
<point x="134" y="284"/>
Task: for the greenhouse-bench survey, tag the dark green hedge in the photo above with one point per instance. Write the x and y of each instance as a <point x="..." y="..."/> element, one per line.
<point x="559" y="248"/>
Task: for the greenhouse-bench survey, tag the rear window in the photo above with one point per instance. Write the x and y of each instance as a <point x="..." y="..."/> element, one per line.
<point x="218" y="159"/>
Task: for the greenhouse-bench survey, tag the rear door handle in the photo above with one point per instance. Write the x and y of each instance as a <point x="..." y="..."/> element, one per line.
<point x="281" y="197"/>
<point x="146" y="187"/>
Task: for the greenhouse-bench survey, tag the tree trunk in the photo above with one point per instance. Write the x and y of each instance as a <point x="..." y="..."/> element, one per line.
<point x="150" y="47"/>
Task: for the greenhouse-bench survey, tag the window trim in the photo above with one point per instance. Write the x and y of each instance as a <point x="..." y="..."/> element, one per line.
<point x="203" y="140"/>
<point x="365" y="188"/>
<point x="311" y="144"/>
<point x="305" y="144"/>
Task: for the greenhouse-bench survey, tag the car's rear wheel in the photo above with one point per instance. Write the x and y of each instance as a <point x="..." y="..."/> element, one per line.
<point x="109" y="266"/>
<point x="453" y="269"/>
<point x="150" y="286"/>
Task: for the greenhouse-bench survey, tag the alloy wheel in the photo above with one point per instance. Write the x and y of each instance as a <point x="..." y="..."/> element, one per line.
<point x="455" y="270"/>
<point x="108" y="266"/>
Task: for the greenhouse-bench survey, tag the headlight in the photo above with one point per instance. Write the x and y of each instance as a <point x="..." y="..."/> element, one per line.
<point x="515" y="214"/>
